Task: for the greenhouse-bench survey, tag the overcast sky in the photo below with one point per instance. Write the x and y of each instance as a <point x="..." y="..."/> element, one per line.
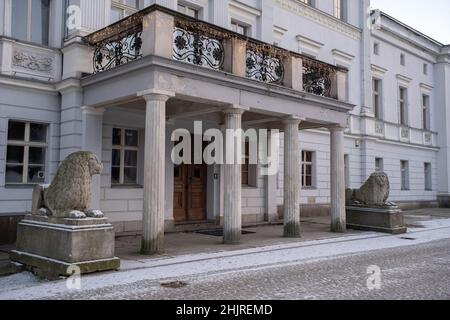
<point x="430" y="17"/>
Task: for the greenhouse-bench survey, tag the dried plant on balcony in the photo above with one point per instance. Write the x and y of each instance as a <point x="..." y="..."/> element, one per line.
<point x="317" y="78"/>
<point x="263" y="65"/>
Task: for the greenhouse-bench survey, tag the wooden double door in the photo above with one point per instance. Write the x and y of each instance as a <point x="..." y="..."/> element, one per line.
<point x="190" y="192"/>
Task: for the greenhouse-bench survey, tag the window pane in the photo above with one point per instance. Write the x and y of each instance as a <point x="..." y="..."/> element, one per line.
<point x="40" y="21"/>
<point x="130" y="175"/>
<point x="16" y="131"/>
<point x="14" y="154"/>
<point x="132" y="3"/>
<point x="115" y="158"/>
<point x="130" y="158"/>
<point x="115" y="175"/>
<point x="38" y="132"/>
<point x="19" y="18"/>
<point x="116" y="15"/>
<point x="36" y="155"/>
<point x="116" y="137"/>
<point x="131" y="138"/>
<point x="36" y="174"/>
<point x="14" y="174"/>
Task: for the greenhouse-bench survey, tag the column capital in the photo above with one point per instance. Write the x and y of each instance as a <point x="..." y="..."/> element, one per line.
<point x="292" y="120"/>
<point x="235" y="109"/>
<point x="156" y="94"/>
<point x="337" y="127"/>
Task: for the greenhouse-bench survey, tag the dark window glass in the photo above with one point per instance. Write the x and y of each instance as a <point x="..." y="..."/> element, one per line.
<point x="36" y="155"/>
<point x="14" y="154"/>
<point x="16" y="131"/>
<point x="130" y="175"/>
<point x="38" y="132"/>
<point x="131" y="138"/>
<point x="40" y="21"/>
<point x="116" y="137"/>
<point x="115" y="175"/>
<point x="14" y="174"/>
<point x="116" y="157"/>
<point x="130" y="158"/>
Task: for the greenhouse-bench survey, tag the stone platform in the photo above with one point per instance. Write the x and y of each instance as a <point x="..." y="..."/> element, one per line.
<point x="52" y="245"/>
<point x="386" y="220"/>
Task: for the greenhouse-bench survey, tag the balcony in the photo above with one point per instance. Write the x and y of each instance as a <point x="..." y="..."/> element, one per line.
<point x="162" y="32"/>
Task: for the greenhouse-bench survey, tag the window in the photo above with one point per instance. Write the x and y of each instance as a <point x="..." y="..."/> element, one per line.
<point x="245" y="168"/>
<point x="347" y="170"/>
<point x="30" y="20"/>
<point x="340" y="9"/>
<point x="122" y="8"/>
<point x="427" y="172"/>
<point x="240" y="28"/>
<point x="188" y="10"/>
<point x="403" y="106"/>
<point x="307" y="169"/>
<point x="26" y="152"/>
<point x="426" y="123"/>
<point x="376" y="48"/>
<point x="377" y="98"/>
<point x="124" y="157"/>
<point x="379" y="165"/>
<point x="425" y="69"/>
<point x="402" y="59"/>
<point x="404" y="171"/>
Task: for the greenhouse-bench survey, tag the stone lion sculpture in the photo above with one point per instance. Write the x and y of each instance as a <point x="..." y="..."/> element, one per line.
<point x="374" y="192"/>
<point x="69" y="194"/>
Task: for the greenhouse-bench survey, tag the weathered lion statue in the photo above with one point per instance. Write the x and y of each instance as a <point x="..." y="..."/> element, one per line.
<point x="69" y="195"/>
<point x="375" y="192"/>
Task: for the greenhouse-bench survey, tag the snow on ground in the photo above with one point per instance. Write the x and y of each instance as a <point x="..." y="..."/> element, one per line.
<point x="25" y="286"/>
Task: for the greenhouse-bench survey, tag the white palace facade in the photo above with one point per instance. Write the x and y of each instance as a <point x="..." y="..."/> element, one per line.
<point x="352" y="90"/>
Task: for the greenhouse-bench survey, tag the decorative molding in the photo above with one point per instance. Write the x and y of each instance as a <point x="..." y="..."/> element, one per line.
<point x="342" y="57"/>
<point x="378" y="71"/>
<point x="245" y="8"/>
<point x="426" y="87"/>
<point x="403" y="79"/>
<point x="308" y="46"/>
<point x="315" y="15"/>
<point x="32" y="61"/>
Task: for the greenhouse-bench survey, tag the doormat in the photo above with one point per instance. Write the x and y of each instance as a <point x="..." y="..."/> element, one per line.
<point x="219" y="232"/>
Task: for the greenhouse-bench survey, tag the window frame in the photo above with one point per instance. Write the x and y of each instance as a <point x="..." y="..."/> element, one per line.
<point x="124" y="8"/>
<point x="428" y="176"/>
<point x="403" y="116"/>
<point x="122" y="149"/>
<point x="304" y="165"/>
<point x="426" y="112"/>
<point x="27" y="144"/>
<point x="340" y="10"/>
<point x="379" y="164"/>
<point x="377" y="95"/>
<point x="245" y="26"/>
<point x="404" y="175"/>
<point x="188" y="7"/>
<point x="29" y="27"/>
<point x="403" y="59"/>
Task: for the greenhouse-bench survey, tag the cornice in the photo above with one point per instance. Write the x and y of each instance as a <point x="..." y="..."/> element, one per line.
<point x="315" y="15"/>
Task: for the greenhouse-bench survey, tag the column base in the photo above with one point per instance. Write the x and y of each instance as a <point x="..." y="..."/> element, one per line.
<point x="151" y="247"/>
<point x="292" y="230"/>
<point x="339" y="227"/>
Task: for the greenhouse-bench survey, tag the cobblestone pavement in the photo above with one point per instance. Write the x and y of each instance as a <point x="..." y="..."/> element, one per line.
<point x="412" y="272"/>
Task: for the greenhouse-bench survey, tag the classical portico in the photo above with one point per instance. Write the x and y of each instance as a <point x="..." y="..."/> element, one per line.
<point x="170" y="89"/>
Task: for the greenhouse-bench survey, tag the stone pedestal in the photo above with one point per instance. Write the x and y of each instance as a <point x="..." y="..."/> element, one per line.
<point x="52" y="245"/>
<point x="386" y="220"/>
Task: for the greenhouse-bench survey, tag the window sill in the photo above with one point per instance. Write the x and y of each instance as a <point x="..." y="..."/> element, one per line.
<point x="126" y="186"/>
<point x="309" y="188"/>
<point x="21" y="186"/>
<point x="247" y="187"/>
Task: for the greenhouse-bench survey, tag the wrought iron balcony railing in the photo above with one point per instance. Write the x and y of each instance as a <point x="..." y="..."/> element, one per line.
<point x="207" y="45"/>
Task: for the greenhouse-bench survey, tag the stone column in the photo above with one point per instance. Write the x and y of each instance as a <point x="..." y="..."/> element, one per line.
<point x="154" y="171"/>
<point x="232" y="226"/>
<point x="338" y="214"/>
<point x="292" y="182"/>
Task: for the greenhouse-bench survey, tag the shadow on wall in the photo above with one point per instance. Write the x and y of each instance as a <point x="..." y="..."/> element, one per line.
<point x="8" y="229"/>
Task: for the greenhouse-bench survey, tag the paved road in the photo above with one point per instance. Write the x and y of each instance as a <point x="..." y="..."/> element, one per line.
<point x="412" y="272"/>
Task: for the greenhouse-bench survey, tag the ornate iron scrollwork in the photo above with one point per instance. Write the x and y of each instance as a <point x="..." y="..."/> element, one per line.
<point x="114" y="52"/>
<point x="317" y="78"/>
<point x="264" y="67"/>
<point x="198" y="49"/>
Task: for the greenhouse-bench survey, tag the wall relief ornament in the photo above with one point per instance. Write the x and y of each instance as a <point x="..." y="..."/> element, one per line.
<point x="32" y="61"/>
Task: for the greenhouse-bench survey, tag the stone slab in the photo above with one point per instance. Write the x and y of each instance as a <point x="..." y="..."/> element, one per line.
<point x="52" y="269"/>
<point x="388" y="220"/>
